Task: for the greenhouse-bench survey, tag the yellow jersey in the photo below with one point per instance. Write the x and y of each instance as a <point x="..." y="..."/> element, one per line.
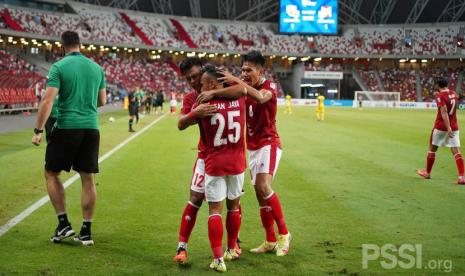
<point x="321" y="101"/>
<point x="288" y="100"/>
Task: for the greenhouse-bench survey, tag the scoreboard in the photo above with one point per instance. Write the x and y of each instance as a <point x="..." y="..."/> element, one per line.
<point x="308" y="16"/>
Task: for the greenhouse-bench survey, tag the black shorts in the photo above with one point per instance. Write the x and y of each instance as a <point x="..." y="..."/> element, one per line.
<point x="49" y="127"/>
<point x="73" y="148"/>
<point x="132" y="109"/>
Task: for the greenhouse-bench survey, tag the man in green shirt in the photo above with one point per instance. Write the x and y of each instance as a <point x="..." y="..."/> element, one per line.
<point x="74" y="143"/>
<point x="139" y="94"/>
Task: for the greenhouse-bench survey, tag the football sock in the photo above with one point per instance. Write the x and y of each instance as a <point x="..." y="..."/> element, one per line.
<point x="459" y="162"/>
<point x="215" y="235"/>
<point x="187" y="222"/>
<point x="62" y="220"/>
<point x="277" y="212"/>
<point x="182" y="245"/>
<point x="268" y="223"/>
<point x="233" y="225"/>
<point x="430" y="161"/>
<point x="86" y="224"/>
<point x="130" y="123"/>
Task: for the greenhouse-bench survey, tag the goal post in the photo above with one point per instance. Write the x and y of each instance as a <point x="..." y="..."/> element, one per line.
<point x="376" y="99"/>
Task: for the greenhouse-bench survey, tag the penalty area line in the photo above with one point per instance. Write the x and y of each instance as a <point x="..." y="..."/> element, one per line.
<point x="39" y="203"/>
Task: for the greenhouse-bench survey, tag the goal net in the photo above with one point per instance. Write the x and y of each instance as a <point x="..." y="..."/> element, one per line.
<point x="376" y="99"/>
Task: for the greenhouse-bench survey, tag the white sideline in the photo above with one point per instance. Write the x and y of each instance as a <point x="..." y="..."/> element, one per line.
<point x="24" y="214"/>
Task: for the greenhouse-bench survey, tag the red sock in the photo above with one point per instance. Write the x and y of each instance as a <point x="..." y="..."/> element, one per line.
<point x="268" y="223"/>
<point x="215" y="235"/>
<point x="187" y="222"/>
<point x="233" y="224"/>
<point x="459" y="162"/>
<point x="430" y="161"/>
<point x="277" y="213"/>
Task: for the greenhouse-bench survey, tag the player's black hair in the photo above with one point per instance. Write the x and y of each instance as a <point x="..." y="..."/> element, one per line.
<point x="70" y="39"/>
<point x="441" y="82"/>
<point x="211" y="71"/>
<point x="188" y="63"/>
<point x="254" y="57"/>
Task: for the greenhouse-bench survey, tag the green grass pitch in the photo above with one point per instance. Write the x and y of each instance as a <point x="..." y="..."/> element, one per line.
<point x="345" y="182"/>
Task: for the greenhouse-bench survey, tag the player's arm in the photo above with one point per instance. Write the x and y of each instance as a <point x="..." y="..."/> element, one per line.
<point x="102" y="97"/>
<point x="261" y="96"/>
<point x="102" y="93"/>
<point x="445" y="118"/>
<point x="231" y="92"/>
<point x="45" y="109"/>
<point x="201" y="111"/>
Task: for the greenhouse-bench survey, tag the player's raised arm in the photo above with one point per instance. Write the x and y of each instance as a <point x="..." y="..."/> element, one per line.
<point x="231" y="92"/>
<point x="261" y="96"/>
<point x="199" y="112"/>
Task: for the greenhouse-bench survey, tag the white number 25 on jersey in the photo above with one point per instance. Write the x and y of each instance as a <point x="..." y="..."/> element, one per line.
<point x="232" y="125"/>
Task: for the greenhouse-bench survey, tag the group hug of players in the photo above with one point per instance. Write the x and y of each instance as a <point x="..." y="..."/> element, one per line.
<point x="223" y="105"/>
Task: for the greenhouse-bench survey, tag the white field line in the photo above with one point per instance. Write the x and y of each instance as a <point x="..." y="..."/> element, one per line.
<point x="31" y="209"/>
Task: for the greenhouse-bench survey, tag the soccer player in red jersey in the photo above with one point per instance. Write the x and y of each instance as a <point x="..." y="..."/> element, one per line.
<point x="225" y="163"/>
<point x="263" y="144"/>
<point x="191" y="69"/>
<point x="446" y="130"/>
<point x="190" y="113"/>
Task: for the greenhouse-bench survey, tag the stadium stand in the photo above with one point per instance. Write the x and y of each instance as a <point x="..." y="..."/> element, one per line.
<point x="381" y="40"/>
<point x="370" y="79"/>
<point x="337" y="44"/>
<point x="323" y="67"/>
<point x="403" y="81"/>
<point x="428" y="76"/>
<point x="146" y="74"/>
<point x="113" y="26"/>
<point x="17" y="82"/>
<point x="107" y="26"/>
<point x="157" y="31"/>
<point x="203" y="34"/>
<point x="434" y="40"/>
<point x="285" y="43"/>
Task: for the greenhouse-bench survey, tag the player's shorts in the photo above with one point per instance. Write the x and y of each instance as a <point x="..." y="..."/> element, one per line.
<point x="217" y="188"/>
<point x="441" y="139"/>
<point x="264" y="160"/>
<point x="49" y="127"/>
<point x="320" y="109"/>
<point x="73" y="148"/>
<point x="132" y="109"/>
<point x="198" y="176"/>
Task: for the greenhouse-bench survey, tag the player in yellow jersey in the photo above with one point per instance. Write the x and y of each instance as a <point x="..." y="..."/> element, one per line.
<point x="288" y="109"/>
<point x="320" y="111"/>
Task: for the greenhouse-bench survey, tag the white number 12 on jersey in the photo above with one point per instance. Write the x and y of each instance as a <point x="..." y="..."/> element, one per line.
<point x="232" y="125"/>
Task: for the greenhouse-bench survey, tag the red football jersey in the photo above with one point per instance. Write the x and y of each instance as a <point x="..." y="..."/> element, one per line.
<point x="223" y="137"/>
<point x="261" y="119"/>
<point x="188" y="103"/>
<point x="449" y="99"/>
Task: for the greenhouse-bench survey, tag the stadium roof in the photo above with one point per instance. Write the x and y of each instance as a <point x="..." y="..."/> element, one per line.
<point x="350" y="11"/>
